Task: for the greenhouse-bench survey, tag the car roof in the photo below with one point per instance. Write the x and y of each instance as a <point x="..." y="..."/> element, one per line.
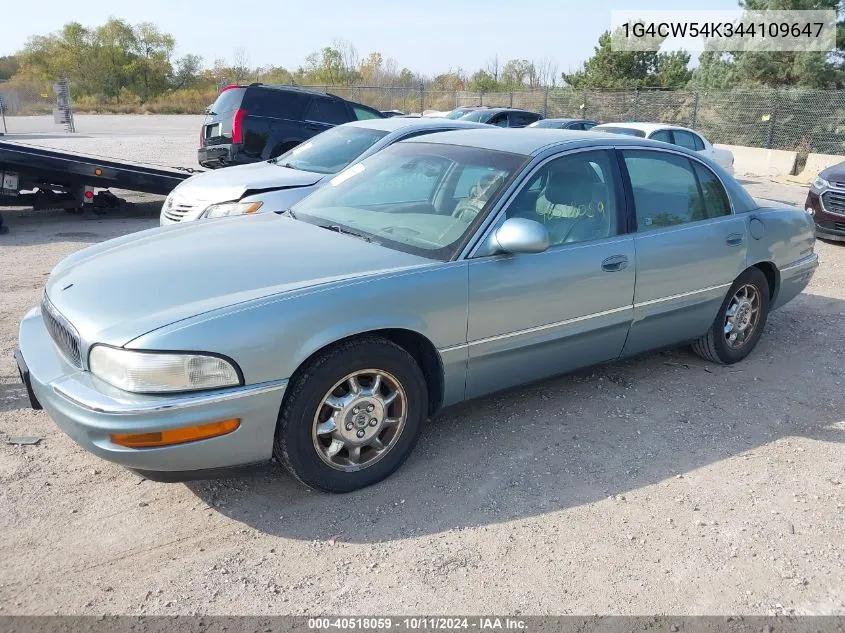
<point x="527" y="141"/>
<point x="648" y="128"/>
<point x="288" y="87"/>
<point x="392" y="124"/>
<point x="566" y="120"/>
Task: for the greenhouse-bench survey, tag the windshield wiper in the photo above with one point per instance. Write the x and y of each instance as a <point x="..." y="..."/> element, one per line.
<point x="345" y="231"/>
<point x="289" y="165"/>
<point x="287" y="212"/>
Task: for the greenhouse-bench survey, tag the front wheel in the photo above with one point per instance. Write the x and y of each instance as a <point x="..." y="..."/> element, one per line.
<point x="740" y="321"/>
<point x="352" y="416"/>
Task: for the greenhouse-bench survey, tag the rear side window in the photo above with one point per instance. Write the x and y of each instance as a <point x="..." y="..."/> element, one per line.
<point x="665" y="190"/>
<point x="276" y="104"/>
<point x="662" y="135"/>
<point x="716" y="203"/>
<point x="688" y="140"/>
<point x="589" y="125"/>
<point x="327" y="111"/>
<point x="228" y="101"/>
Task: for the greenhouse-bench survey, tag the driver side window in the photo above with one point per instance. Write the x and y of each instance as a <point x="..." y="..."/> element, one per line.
<point x="573" y="196"/>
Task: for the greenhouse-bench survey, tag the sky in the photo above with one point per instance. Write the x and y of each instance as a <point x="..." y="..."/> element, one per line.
<point x="427" y="36"/>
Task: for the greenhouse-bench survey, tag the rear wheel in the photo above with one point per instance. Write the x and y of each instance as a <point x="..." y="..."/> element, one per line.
<point x="352" y="415"/>
<point x="740" y="321"/>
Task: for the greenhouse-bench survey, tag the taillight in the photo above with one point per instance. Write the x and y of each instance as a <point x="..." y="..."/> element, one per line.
<point x="237" y="125"/>
<point x="202" y="127"/>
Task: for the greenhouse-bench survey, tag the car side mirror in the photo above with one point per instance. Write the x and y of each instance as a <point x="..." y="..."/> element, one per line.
<point x="520" y="235"/>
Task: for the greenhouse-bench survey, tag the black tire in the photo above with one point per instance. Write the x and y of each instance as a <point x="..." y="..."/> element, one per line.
<point x="713" y="346"/>
<point x="294" y="446"/>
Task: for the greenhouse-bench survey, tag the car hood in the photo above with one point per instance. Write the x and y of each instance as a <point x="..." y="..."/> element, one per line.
<point x="231" y="183"/>
<point x="835" y="173"/>
<point x="121" y="289"/>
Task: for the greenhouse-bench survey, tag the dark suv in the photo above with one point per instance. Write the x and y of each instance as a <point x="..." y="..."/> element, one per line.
<point x="247" y="124"/>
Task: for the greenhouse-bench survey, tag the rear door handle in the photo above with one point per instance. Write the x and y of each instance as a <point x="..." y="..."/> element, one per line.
<point x="614" y="263"/>
<point x="734" y="239"/>
<point x="313" y="127"/>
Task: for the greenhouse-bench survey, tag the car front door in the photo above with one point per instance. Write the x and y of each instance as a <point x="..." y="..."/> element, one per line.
<point x="500" y="120"/>
<point x="690" y="247"/>
<point x="537" y="315"/>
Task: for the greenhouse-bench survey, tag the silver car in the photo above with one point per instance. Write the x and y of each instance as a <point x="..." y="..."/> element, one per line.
<point x="279" y="183"/>
<point x="442" y="268"/>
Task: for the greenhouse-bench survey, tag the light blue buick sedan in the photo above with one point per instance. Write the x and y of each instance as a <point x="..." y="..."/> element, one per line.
<point x="441" y="269"/>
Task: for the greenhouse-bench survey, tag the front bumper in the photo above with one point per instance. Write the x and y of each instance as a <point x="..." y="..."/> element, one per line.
<point x="829" y="226"/>
<point x="89" y="410"/>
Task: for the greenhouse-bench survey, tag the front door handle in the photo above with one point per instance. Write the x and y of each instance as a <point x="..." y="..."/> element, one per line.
<point x="614" y="263"/>
<point x="734" y="239"/>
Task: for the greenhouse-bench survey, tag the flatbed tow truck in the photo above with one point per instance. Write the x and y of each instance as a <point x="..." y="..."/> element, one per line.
<point x="44" y="178"/>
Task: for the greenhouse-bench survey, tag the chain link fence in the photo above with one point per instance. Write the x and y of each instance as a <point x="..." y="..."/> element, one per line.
<point x="798" y="120"/>
<point x="791" y="119"/>
<point x="31" y="97"/>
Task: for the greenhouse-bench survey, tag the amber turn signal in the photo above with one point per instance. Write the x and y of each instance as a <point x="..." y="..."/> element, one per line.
<point x="175" y="436"/>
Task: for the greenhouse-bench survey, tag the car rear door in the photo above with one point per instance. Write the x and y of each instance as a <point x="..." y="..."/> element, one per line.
<point x="324" y="113"/>
<point x="690" y="246"/>
<point x="537" y="315"/>
<point x="273" y="121"/>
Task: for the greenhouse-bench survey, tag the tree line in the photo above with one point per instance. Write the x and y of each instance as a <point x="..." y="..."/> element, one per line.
<point x="124" y="64"/>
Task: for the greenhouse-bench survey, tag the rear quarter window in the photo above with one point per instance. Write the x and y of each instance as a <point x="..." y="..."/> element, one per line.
<point x="276" y="104"/>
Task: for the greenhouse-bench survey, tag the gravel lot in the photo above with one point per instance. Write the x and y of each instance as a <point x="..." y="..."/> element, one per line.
<point x="657" y="485"/>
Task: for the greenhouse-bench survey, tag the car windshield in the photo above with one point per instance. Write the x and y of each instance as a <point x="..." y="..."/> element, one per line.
<point x="627" y="131"/>
<point x="479" y="116"/>
<point x="458" y="113"/>
<point x="422" y="198"/>
<point x="331" y="151"/>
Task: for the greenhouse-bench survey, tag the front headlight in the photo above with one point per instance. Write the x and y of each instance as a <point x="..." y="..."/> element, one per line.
<point x="160" y="372"/>
<point x="225" y="209"/>
<point x="820" y="183"/>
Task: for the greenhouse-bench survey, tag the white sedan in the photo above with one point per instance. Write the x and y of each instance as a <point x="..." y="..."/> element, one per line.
<point x="675" y="135"/>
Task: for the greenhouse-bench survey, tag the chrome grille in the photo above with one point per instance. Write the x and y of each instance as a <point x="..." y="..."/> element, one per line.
<point x="833" y="199"/>
<point x="64" y="335"/>
<point x="177" y="210"/>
